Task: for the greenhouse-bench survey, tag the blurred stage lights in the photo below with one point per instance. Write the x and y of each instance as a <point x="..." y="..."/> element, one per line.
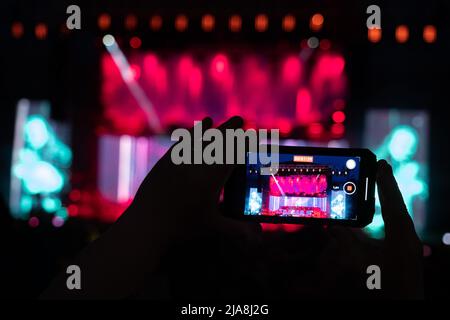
<point x="208" y="22"/>
<point x="181" y="23"/>
<point x="316" y="22"/>
<point x="104" y="21"/>
<point x="41" y="31"/>
<point x="338" y="116"/>
<point x="156" y="23"/>
<point x="135" y="42"/>
<point x="17" y="30"/>
<point x="446" y="239"/>
<point x="261" y="23"/>
<point x="235" y="23"/>
<point x="374" y="35"/>
<point x="429" y="34"/>
<point x="289" y="22"/>
<point x="131" y="22"/>
<point x="313" y="42"/>
<point x="402" y="34"/>
<point x="108" y="40"/>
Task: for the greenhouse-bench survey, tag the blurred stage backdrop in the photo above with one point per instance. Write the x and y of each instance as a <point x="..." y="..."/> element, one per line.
<point x="92" y="109"/>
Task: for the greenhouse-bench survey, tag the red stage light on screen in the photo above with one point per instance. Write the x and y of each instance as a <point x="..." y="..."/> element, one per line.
<point x="181" y="23"/>
<point x="208" y="23"/>
<point x="291" y="227"/>
<point x="104" y="21"/>
<point x="261" y="22"/>
<point x="135" y="42"/>
<point x="131" y="22"/>
<point x="156" y="23"/>
<point x="235" y="23"/>
<point x="338" y="116"/>
<point x="288" y="23"/>
<point x="337" y="130"/>
<point x="315" y="130"/>
<point x="316" y="22"/>
<point x="17" y="30"/>
<point x="374" y="34"/>
<point x="429" y="34"/>
<point x="402" y="34"/>
<point x="325" y="44"/>
<point x="41" y="31"/>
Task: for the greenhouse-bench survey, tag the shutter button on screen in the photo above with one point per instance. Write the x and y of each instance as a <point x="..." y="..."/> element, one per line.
<point x="349" y="188"/>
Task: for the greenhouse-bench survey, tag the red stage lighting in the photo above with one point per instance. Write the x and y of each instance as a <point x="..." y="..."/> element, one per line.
<point x="235" y="23"/>
<point x="104" y="21"/>
<point x="315" y="130"/>
<point x="156" y="22"/>
<point x="316" y="22"/>
<point x="72" y="210"/>
<point x="41" y="31"/>
<point x="131" y="22"/>
<point x="288" y="23"/>
<point x="135" y="42"/>
<point x="181" y="23"/>
<point x="208" y="23"/>
<point x="17" y="30"/>
<point x="339" y="104"/>
<point x="429" y="34"/>
<point x="337" y="130"/>
<point x="33" y="222"/>
<point x="374" y="34"/>
<point x="402" y="34"/>
<point x="338" y="116"/>
<point x="292" y="69"/>
<point x="325" y="44"/>
<point x="219" y="63"/>
<point x="261" y="22"/>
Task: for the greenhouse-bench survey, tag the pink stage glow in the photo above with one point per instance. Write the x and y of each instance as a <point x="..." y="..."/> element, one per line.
<point x="269" y="92"/>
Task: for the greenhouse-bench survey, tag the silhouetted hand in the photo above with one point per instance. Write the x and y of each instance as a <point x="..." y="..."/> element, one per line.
<point x="331" y="262"/>
<point x="402" y="253"/>
<point x="176" y="205"/>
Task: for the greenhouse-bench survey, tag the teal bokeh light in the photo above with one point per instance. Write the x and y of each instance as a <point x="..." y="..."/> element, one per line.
<point x="36" y="132"/>
<point x="403" y="143"/>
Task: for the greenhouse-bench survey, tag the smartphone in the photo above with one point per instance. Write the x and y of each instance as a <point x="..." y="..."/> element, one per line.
<point x="329" y="186"/>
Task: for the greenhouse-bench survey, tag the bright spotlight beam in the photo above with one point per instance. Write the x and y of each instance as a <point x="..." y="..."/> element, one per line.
<point x="127" y="75"/>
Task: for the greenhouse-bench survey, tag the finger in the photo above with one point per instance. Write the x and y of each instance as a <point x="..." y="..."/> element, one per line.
<point x="398" y="223"/>
<point x="205" y="124"/>
<point x="219" y="173"/>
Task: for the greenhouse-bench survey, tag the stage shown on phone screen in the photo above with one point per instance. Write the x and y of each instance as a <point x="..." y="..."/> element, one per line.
<point x="305" y="186"/>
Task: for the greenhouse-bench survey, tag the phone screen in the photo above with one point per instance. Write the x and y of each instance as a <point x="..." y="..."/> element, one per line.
<point x="306" y="186"/>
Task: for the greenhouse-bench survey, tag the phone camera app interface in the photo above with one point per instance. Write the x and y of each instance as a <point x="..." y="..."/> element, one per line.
<point x="304" y="186"/>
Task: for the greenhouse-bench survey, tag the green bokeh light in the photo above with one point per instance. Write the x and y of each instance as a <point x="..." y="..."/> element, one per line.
<point x="51" y="204"/>
<point x="403" y="143"/>
<point x="36" y="132"/>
